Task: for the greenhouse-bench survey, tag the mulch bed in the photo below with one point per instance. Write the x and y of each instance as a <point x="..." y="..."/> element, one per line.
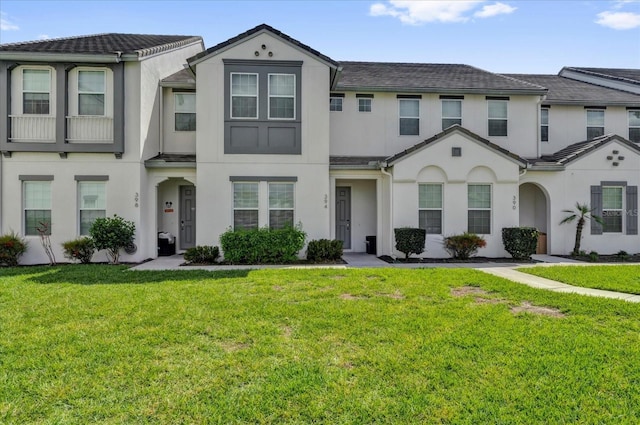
<point x="471" y="260"/>
<point x="635" y="258"/>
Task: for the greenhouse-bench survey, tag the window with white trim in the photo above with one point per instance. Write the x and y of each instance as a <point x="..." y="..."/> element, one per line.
<point x="37" y="206"/>
<point x="612" y="209"/>
<point x="185" y="111"/>
<point x="544" y="124"/>
<point x="281" y="205"/>
<point x="409" y="113"/>
<point x="91" y="92"/>
<point x="36" y="91"/>
<point x="498" y="117"/>
<point x="430" y="208"/>
<point x="244" y="95"/>
<point x="335" y="104"/>
<point x="245" y="205"/>
<point x="364" y="104"/>
<point x="451" y="112"/>
<point x="282" y="96"/>
<point x="595" y="123"/>
<point x="92" y="203"/>
<point x="634" y="126"/>
<point x="479" y="208"/>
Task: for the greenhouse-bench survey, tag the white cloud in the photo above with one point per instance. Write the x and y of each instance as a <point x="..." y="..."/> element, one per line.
<point x="44" y="37"/>
<point x="619" y="20"/>
<point x="419" y="12"/>
<point x="490" y="10"/>
<point x="5" y="24"/>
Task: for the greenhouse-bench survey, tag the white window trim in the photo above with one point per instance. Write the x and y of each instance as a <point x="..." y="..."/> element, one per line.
<point x="506" y="118"/>
<point x="408" y="117"/>
<point x="80" y="209"/>
<point x="293" y="208"/>
<point x="441" y="209"/>
<point x="490" y="209"/>
<point x="443" y="117"/>
<point x="25" y="209"/>
<point x="233" y="205"/>
<point x="103" y="93"/>
<point x="175" y="112"/>
<point x="629" y="112"/>
<point x="604" y="117"/>
<point x="370" y="104"/>
<point x="341" y="104"/>
<point x="257" y="95"/>
<point x="36" y="68"/>
<point x="621" y="210"/>
<point x="269" y="96"/>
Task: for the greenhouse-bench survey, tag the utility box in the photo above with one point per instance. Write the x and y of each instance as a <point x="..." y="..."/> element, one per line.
<point x="371" y="245"/>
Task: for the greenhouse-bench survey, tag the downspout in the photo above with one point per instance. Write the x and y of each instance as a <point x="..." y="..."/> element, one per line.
<point x="382" y="170"/>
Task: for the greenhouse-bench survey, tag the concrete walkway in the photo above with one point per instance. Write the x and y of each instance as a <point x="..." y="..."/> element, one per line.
<point x="361" y="260"/>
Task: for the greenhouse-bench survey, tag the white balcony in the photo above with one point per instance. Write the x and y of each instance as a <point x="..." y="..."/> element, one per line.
<point x="33" y="128"/>
<point x="90" y="129"/>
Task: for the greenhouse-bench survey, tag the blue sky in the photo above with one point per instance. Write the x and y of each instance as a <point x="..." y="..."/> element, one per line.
<point x="499" y="36"/>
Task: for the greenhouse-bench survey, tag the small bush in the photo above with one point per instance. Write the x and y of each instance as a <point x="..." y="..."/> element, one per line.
<point x="463" y="246"/>
<point x="520" y="242"/>
<point x="593" y="256"/>
<point x="80" y="249"/>
<point x="623" y="255"/>
<point x="12" y="247"/>
<point x="410" y="240"/>
<point x="202" y="254"/>
<point x="113" y="234"/>
<point x="324" y="250"/>
<point x="262" y="246"/>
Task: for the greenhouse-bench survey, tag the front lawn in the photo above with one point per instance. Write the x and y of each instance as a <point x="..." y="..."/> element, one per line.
<point x="101" y="344"/>
<point x="612" y="278"/>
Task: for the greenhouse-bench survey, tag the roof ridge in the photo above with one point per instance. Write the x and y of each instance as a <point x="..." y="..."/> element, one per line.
<point x="71" y="37"/>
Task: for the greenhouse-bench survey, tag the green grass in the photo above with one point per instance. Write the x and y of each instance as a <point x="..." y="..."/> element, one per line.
<point x="623" y="278"/>
<point x="101" y="344"/>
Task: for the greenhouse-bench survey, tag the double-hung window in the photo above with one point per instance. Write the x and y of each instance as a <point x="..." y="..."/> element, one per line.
<point x="37" y="206"/>
<point x="544" y="124"/>
<point x="612" y="209"/>
<point x="634" y="126"/>
<point x="409" y="113"/>
<point x="91" y="92"/>
<point x="498" y="119"/>
<point x="245" y="205"/>
<point x="185" y="111"/>
<point x="595" y="123"/>
<point x="282" y="96"/>
<point x="430" y="208"/>
<point x="479" y="208"/>
<point x="92" y="203"/>
<point x="36" y="91"/>
<point x="280" y="205"/>
<point x="244" y="95"/>
<point x="451" y="112"/>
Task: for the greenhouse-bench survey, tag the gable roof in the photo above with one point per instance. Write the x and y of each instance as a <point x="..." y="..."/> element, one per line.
<point x="569" y="91"/>
<point x="114" y="45"/>
<point x="578" y="150"/>
<point x="254" y="31"/>
<point x="425" y="77"/>
<point x="630" y="76"/>
<point x="458" y="129"/>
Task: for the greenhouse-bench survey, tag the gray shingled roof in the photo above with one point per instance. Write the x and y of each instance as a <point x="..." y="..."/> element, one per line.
<point x="181" y="79"/>
<point x="255" y="30"/>
<point x="631" y="76"/>
<point x="422" y="77"/>
<point x="99" y="44"/>
<point x="459" y="129"/>
<point x="577" y="150"/>
<point x="359" y="162"/>
<point x="165" y="160"/>
<point x="568" y="91"/>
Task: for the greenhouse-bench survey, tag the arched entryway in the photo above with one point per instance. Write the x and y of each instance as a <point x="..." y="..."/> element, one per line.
<point x="534" y="212"/>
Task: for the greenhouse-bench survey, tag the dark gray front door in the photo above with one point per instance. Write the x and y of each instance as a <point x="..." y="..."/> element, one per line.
<point x="343" y="216"/>
<point x="187" y="217"/>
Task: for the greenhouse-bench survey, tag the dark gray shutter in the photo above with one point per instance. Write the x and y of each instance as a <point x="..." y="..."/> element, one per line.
<point x="596" y="209"/>
<point x="632" y="210"/>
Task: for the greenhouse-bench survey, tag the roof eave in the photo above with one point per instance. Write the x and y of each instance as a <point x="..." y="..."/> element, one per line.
<point x="591" y="102"/>
<point x="115" y="57"/>
<point x="442" y="90"/>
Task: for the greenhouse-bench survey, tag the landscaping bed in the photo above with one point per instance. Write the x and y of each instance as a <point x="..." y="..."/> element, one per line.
<point x="471" y="260"/>
<point x="614" y="258"/>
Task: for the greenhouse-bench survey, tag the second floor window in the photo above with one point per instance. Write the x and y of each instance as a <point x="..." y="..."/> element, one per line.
<point x="634" y="126"/>
<point x="544" y="124"/>
<point x="335" y="104"/>
<point x="282" y="96"/>
<point x="185" y="111"/>
<point x="364" y="104"/>
<point x="451" y="113"/>
<point x="91" y="92"/>
<point x="595" y="123"/>
<point x="409" y="117"/>
<point x="497" y="117"/>
<point x="36" y="91"/>
<point x="244" y="95"/>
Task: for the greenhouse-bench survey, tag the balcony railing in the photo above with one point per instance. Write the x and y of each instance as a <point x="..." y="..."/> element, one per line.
<point x="33" y="128"/>
<point x="89" y="129"/>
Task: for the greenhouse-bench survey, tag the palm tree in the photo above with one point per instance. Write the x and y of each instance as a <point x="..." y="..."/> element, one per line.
<point x="582" y="213"/>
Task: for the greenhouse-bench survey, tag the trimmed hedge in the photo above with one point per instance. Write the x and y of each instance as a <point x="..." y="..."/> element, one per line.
<point x="12" y="247"/>
<point x="520" y="242"/>
<point x="262" y="246"/>
<point x="324" y="250"/>
<point x="202" y="254"/>
<point x="463" y="246"/>
<point x="80" y="249"/>
<point x="410" y="240"/>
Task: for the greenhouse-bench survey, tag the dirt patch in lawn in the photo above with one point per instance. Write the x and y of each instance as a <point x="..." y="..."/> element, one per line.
<point x="527" y="307"/>
<point x="232" y="346"/>
<point x="462" y="291"/>
<point x="352" y="297"/>
<point x="397" y="295"/>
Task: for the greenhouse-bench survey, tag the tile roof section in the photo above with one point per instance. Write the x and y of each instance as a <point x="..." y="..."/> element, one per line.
<point x="181" y="79"/>
<point x="358" y="162"/>
<point x="569" y="91"/>
<point x="423" y="77"/>
<point x="577" y="150"/>
<point x="263" y="27"/>
<point x="631" y="76"/>
<point x="457" y="129"/>
<point x="167" y="160"/>
<point x="139" y="45"/>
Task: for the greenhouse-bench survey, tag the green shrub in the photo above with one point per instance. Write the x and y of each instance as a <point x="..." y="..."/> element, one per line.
<point x="80" y="249"/>
<point x="410" y="240"/>
<point x="593" y="256"/>
<point x="520" y="242"/>
<point x="12" y="247"/>
<point x="113" y="234"/>
<point x="463" y="246"/>
<point x="204" y="254"/>
<point x="623" y="255"/>
<point x="324" y="250"/>
<point x="262" y="246"/>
